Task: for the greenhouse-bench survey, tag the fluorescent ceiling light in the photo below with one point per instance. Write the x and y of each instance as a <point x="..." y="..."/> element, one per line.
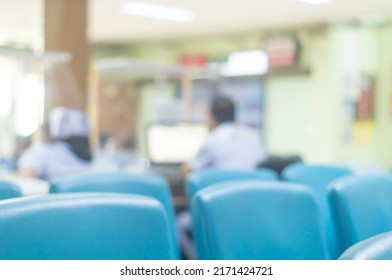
<point x="157" y="11"/>
<point x="316" y="2"/>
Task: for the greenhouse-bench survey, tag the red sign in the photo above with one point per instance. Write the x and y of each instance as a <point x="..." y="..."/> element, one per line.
<point x="193" y="61"/>
<point x="282" y="52"/>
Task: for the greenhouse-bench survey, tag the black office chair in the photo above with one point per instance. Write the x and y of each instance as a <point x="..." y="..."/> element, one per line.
<point x="278" y="163"/>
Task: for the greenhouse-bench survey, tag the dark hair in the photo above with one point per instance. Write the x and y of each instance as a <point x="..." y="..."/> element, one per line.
<point x="80" y="146"/>
<point x="223" y="109"/>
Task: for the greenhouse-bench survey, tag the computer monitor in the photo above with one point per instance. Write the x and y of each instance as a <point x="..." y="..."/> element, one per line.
<point x="175" y="143"/>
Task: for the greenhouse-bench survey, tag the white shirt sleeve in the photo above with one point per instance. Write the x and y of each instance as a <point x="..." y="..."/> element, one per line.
<point x="229" y="146"/>
<point x="204" y="157"/>
<point x="34" y="159"/>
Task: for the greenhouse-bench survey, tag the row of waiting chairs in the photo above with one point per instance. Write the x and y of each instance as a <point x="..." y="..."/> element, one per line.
<point x="234" y="220"/>
<point x="316" y="176"/>
<point x="352" y="208"/>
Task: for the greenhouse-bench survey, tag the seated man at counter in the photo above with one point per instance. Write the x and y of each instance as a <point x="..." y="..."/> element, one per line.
<point x="228" y="146"/>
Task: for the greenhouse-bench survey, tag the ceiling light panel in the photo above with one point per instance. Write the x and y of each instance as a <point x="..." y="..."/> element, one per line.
<point x="157" y="11"/>
<point x="316" y="2"/>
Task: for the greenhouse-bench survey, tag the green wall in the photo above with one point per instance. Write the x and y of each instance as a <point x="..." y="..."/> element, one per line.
<point x="306" y="114"/>
<point x="383" y="133"/>
<point x="299" y="119"/>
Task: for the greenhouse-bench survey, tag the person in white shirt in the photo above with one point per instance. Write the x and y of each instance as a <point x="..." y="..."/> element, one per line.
<point x="66" y="151"/>
<point x="228" y="146"/>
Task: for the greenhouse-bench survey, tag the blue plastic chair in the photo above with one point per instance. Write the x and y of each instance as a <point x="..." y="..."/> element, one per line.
<point x="148" y="184"/>
<point x="86" y="226"/>
<point x="9" y="190"/>
<point x="378" y="247"/>
<point x="258" y="220"/>
<point x="362" y="207"/>
<point x="200" y="179"/>
<point x="318" y="177"/>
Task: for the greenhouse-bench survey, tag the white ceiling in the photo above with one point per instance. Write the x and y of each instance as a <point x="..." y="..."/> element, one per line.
<point x="21" y="20"/>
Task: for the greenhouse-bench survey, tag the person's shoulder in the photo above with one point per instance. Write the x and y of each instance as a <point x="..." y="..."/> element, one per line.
<point x="43" y="149"/>
<point x="249" y="133"/>
<point x="38" y="148"/>
<point x="224" y="128"/>
<point x="34" y="156"/>
<point x="223" y="132"/>
<point x="249" y="130"/>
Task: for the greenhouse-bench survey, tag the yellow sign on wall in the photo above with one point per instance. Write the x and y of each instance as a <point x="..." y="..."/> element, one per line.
<point x="363" y="133"/>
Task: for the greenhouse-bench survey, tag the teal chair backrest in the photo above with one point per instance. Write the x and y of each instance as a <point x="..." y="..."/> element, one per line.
<point x="362" y="207"/>
<point x="148" y="184"/>
<point x="318" y="177"/>
<point x="9" y="190"/>
<point x="198" y="180"/>
<point x="378" y="247"/>
<point x="258" y="220"/>
<point x="87" y="226"/>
